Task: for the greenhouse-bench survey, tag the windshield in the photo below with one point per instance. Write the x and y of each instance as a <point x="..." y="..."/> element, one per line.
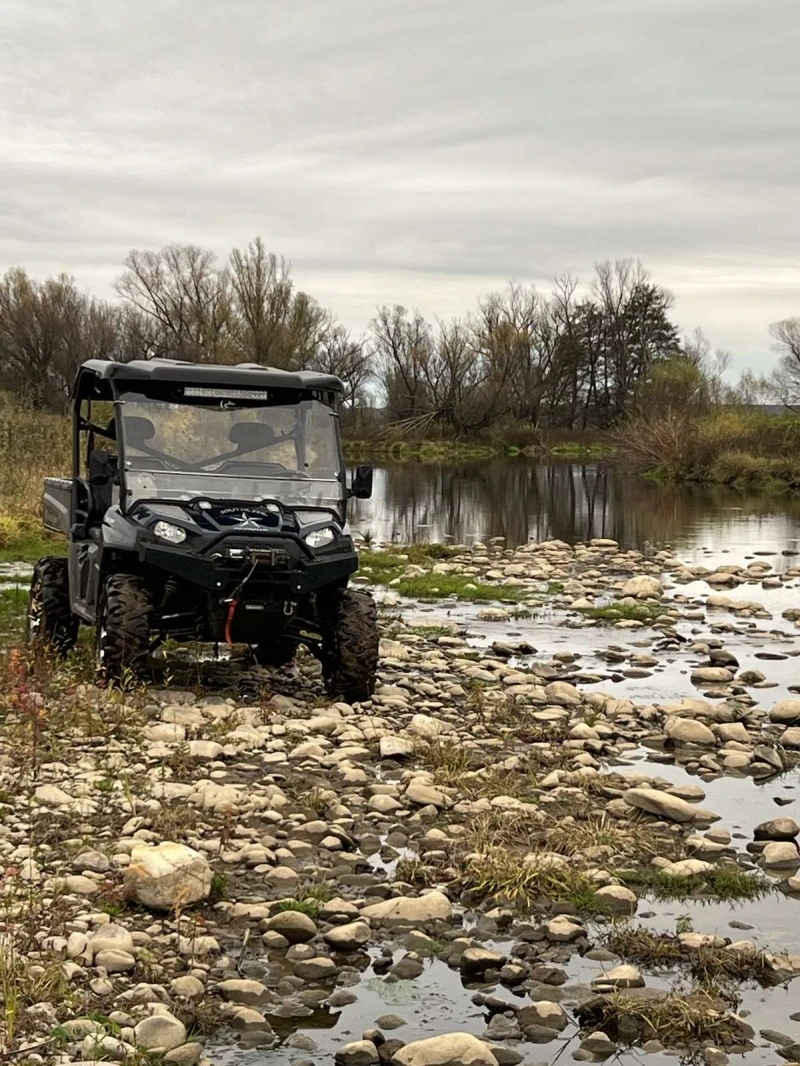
<point x="227" y="450"/>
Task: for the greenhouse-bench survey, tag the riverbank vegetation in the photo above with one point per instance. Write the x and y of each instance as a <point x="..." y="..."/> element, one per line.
<point x="591" y="371"/>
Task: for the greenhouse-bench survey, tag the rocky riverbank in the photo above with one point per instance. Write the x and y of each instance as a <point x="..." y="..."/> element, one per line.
<point x="472" y="868"/>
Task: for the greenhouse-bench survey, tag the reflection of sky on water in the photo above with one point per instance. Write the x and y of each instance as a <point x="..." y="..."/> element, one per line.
<point x="522" y="500"/>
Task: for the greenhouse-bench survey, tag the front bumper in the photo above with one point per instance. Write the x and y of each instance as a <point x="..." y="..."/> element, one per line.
<point x="281" y="569"/>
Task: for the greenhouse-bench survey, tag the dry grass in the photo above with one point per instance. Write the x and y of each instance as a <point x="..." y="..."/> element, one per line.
<point x="499" y="875"/>
<point x="447" y="760"/>
<point x="708" y="965"/>
<point x="677" y="1019"/>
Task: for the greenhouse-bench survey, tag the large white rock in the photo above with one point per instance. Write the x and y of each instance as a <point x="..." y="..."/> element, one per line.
<point x="687" y="868"/>
<point x="160" y="1032"/>
<point x="663" y="805"/>
<point x="432" y="906"/>
<point x="787" y="712"/>
<point x="167" y="876"/>
<point x="452" y="1049"/>
<point x="424" y="795"/>
<point x="427" y="727"/>
<point x="52" y="796"/>
<point x="111" y="937"/>
<point x="780" y="854"/>
<point x="643" y="587"/>
<point x="712" y="675"/>
<point x="396" y="748"/>
<point x="687" y="731"/>
<point x="616" y="899"/>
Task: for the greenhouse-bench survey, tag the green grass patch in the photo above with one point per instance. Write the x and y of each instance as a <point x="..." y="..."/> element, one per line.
<point x="722" y="883"/>
<point x="13" y="606"/>
<point x="430" y="632"/>
<point x="463" y="587"/>
<point x="646" y="613"/>
<point x="24" y="541"/>
<point x="577" y="450"/>
<point x="309" y="907"/>
<point x="386" y="567"/>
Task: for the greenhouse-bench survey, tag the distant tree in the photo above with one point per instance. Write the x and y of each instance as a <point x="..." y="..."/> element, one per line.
<point x="753" y="390"/>
<point x="347" y="358"/>
<point x="637" y="332"/>
<point x="275" y="324"/>
<point x="786" y="379"/>
<point x="47" y="329"/>
<point x="187" y="298"/>
<point x="402" y="346"/>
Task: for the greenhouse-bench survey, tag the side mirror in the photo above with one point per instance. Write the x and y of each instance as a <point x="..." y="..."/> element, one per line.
<point x="362" y="483"/>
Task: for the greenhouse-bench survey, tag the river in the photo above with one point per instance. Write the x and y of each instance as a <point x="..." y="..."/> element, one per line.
<point x="524" y="500"/>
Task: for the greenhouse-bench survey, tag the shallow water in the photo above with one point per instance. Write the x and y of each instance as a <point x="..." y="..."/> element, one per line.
<point x="523" y="500"/>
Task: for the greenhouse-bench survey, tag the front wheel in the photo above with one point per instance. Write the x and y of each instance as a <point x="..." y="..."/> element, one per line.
<point x="351" y="646"/>
<point x="123" y="626"/>
<point x="49" y="622"/>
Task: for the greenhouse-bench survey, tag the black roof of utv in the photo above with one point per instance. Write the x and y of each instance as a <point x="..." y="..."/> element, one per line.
<point x="241" y="375"/>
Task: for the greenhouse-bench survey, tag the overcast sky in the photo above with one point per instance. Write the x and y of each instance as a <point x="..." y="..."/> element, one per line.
<point x="415" y="151"/>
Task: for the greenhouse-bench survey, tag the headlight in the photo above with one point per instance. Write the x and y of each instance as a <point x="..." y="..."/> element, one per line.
<point x="172" y="534"/>
<point x="318" y="537"/>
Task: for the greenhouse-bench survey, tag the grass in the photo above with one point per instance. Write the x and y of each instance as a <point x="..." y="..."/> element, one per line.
<point x="24" y="982"/>
<point x="721" y="882"/>
<point x="390" y="567"/>
<point x="498" y="875"/>
<point x="447" y="760"/>
<point x="462" y="586"/>
<point x="13" y="605"/>
<point x="677" y="1019"/>
<point x="646" y="613"/>
<point x="429" y="632"/>
<point x="309" y="907"/>
<point x="307" y="899"/>
<point x="709" y="966"/>
<point x="579" y="450"/>
<point x="515" y="855"/>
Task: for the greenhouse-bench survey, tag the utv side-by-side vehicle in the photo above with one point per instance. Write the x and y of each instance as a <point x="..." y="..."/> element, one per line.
<point x="207" y="503"/>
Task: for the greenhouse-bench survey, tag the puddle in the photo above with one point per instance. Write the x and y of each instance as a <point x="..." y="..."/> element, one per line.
<point x="434" y="1003"/>
<point x="741" y="803"/>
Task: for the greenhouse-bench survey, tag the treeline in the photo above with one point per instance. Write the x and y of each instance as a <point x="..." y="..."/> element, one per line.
<point x="520" y="359"/>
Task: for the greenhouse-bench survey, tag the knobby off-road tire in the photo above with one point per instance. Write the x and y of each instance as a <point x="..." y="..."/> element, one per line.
<point x="352" y="646"/>
<point x="274" y="652"/>
<point x="123" y="627"/>
<point x="50" y="622"/>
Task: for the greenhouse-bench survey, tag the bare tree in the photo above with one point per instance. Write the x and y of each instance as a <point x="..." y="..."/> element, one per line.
<point x="47" y="329"/>
<point x="786" y="379"/>
<point x="401" y="346"/>
<point x="276" y="324"/>
<point x="187" y="297"/>
<point x="347" y="358"/>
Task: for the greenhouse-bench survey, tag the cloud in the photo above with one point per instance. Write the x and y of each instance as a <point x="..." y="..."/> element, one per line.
<point x="421" y="151"/>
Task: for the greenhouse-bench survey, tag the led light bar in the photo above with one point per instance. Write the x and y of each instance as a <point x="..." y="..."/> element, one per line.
<point x="233" y="394"/>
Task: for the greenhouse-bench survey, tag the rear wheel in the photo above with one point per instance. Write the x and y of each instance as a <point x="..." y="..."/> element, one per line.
<point x="50" y="622"/>
<point x="274" y="652"/>
<point x="351" y="646"/>
<point x="123" y="626"/>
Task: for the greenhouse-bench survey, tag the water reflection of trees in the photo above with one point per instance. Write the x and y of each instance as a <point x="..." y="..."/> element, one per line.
<point x="535" y="501"/>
